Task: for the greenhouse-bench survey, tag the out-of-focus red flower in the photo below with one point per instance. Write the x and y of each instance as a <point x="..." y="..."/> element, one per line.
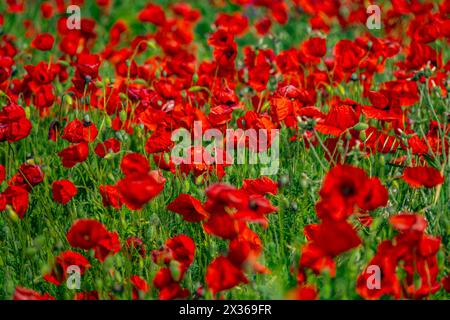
<point x="43" y="42"/>
<point x="304" y="292"/>
<point x="423" y="176"/>
<point x="2" y="173"/>
<point x="190" y="208"/>
<point x="154" y="14"/>
<point x="135" y="243"/>
<point x="63" y="191"/>
<point x="88" y="295"/>
<point x="138" y="189"/>
<point x="134" y="163"/>
<point x="21" y="293"/>
<point x="65" y="260"/>
<point x="140" y="286"/>
<point x="345" y="188"/>
<point x="111" y="196"/>
<point x="74" y="154"/>
<point x="263" y="25"/>
<point x="46" y="10"/>
<point x="222" y="274"/>
<point x="169" y="289"/>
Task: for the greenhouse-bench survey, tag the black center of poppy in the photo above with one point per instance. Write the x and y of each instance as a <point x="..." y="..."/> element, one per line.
<point x="347" y="189"/>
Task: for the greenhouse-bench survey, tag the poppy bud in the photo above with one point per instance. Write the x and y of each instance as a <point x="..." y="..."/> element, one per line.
<point x="117" y="288"/>
<point x="360" y="126"/>
<point x="87" y="79"/>
<point x="283" y="181"/>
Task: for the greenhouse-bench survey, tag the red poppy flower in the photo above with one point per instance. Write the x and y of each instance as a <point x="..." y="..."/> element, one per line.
<point x="108" y="146"/>
<point x="182" y="249"/>
<point x="304" y="292"/>
<point x="140" y="286"/>
<point x="190" y="208"/>
<point x="169" y="289"/>
<point x="77" y="131"/>
<point x="222" y="274"/>
<point x="14" y="125"/>
<point x="63" y="191"/>
<point x="315" y="47"/>
<point x="86" y="234"/>
<point x="74" y="154"/>
<point x="43" y="42"/>
<point x="17" y="197"/>
<point x="2" y="173"/>
<point x="134" y="163"/>
<point x="424" y="176"/>
<point x="60" y="269"/>
<point x="138" y="189"/>
<point x="107" y="246"/>
<point x="111" y="196"/>
<point x="89" y="295"/>
<point x="260" y="186"/>
<point x="263" y="25"/>
<point x="154" y="14"/>
<point x="343" y="185"/>
<point x="28" y="176"/>
<point x="136" y="244"/>
<point x="21" y="293"/>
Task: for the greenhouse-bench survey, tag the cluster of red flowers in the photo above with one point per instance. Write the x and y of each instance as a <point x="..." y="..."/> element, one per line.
<point x="160" y="82"/>
<point x="411" y="250"/>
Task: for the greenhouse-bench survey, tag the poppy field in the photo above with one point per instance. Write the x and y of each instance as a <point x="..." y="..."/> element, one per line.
<point x="314" y="161"/>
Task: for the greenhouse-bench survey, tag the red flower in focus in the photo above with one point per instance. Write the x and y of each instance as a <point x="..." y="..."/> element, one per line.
<point x="77" y="131"/>
<point x="222" y="274"/>
<point x="260" y="186"/>
<point x="86" y="234"/>
<point x="17" y="197"/>
<point x="108" y="146"/>
<point x="74" y="154"/>
<point x="90" y="234"/>
<point x="63" y="191"/>
<point x="28" y="176"/>
<point x="43" y="42"/>
<point x="428" y="177"/>
<point x="14" y="124"/>
<point x="190" y="208"/>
